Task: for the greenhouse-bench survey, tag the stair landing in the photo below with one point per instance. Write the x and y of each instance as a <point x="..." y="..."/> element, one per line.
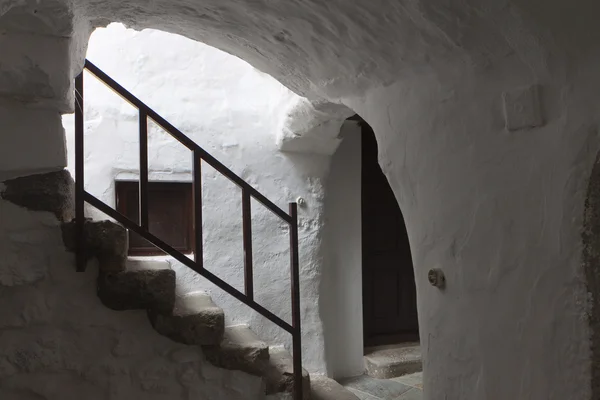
<point x="385" y="362"/>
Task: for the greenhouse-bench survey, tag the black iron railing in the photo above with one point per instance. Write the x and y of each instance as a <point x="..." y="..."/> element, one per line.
<point x="142" y="228"/>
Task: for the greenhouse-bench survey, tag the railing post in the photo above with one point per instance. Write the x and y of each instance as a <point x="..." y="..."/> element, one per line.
<point x="143" y="192"/>
<point x="79" y="175"/>
<point x="247" y="231"/>
<point x="198" y="249"/>
<point x="295" y="280"/>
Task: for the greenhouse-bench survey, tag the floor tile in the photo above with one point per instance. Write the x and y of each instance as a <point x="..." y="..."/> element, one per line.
<point x="362" y="395"/>
<point x="412" y="394"/>
<point x="412" y="380"/>
<point x="379" y="388"/>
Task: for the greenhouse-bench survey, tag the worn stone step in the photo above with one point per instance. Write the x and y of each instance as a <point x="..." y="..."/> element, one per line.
<point x="240" y="350"/>
<point x="104" y="240"/>
<point x="279" y="373"/>
<point x="194" y="320"/>
<point x="324" y="388"/>
<point x="142" y="285"/>
<point x="387" y="362"/>
<point x="53" y="192"/>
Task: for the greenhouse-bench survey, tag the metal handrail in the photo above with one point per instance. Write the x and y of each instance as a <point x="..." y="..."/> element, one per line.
<point x="142" y="228"/>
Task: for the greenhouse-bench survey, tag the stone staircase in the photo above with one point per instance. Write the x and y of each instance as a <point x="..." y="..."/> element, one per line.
<point x="193" y="318"/>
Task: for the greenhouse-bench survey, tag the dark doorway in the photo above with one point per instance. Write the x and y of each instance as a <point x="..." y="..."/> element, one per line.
<point x="389" y="292"/>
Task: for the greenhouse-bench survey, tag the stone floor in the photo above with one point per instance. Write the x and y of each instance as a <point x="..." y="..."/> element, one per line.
<point x="385" y="362"/>
<point x="407" y="387"/>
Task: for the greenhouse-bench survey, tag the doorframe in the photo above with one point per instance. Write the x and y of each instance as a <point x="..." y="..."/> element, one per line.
<point x="377" y="340"/>
<point x="341" y="285"/>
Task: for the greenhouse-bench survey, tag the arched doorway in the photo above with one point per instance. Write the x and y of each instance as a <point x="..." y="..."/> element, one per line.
<point x="389" y="291"/>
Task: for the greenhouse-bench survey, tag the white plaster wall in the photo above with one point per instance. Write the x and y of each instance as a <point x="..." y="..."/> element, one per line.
<point x="23" y="126"/>
<point x="35" y="87"/>
<point x="235" y="113"/>
<point x="312" y="127"/>
<point x="341" y="302"/>
<point x="500" y="212"/>
<point x="58" y="342"/>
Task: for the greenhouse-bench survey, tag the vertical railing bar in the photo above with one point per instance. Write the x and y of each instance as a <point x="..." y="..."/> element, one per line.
<point x="295" y="281"/>
<point x="143" y="192"/>
<point x="247" y="231"/>
<point x="198" y="249"/>
<point x="79" y="175"/>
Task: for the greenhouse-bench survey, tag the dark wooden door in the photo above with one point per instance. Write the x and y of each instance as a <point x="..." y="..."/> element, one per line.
<point x="389" y="292"/>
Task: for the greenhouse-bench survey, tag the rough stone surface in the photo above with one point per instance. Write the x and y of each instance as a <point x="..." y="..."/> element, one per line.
<point x="323" y="388"/>
<point x="392" y="361"/>
<point x="195" y="319"/>
<point x="147" y="285"/>
<point x="104" y="240"/>
<point x="52" y="192"/>
<point x="312" y="127"/>
<point x="279" y="373"/>
<point x="307" y="40"/>
<point x="240" y="350"/>
<point x="23" y="307"/>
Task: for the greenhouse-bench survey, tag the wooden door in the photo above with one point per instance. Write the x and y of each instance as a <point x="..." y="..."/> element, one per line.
<point x="389" y="292"/>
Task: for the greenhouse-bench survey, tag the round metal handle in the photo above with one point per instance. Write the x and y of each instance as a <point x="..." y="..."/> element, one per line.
<point x="436" y="278"/>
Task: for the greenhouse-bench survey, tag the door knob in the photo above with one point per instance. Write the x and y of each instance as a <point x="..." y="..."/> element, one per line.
<point x="436" y="278"/>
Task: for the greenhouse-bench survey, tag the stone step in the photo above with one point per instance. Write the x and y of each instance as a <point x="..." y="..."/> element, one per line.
<point x="104" y="240"/>
<point x="142" y="285"/>
<point x="53" y="192"/>
<point x="279" y="373"/>
<point x="194" y="320"/>
<point x="323" y="388"/>
<point x="240" y="350"/>
<point x="393" y="361"/>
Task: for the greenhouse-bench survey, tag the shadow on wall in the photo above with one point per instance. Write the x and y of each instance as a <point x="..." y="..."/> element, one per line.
<point x="591" y="265"/>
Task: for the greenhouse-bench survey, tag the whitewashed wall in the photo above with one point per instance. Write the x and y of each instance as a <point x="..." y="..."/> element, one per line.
<point x="500" y="211"/>
<point x="235" y="112"/>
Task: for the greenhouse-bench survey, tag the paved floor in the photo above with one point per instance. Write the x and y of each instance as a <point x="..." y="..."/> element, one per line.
<point x="407" y="387"/>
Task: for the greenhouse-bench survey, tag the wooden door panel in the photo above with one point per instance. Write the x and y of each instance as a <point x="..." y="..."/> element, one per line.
<point x="389" y="292"/>
<point x="392" y="295"/>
